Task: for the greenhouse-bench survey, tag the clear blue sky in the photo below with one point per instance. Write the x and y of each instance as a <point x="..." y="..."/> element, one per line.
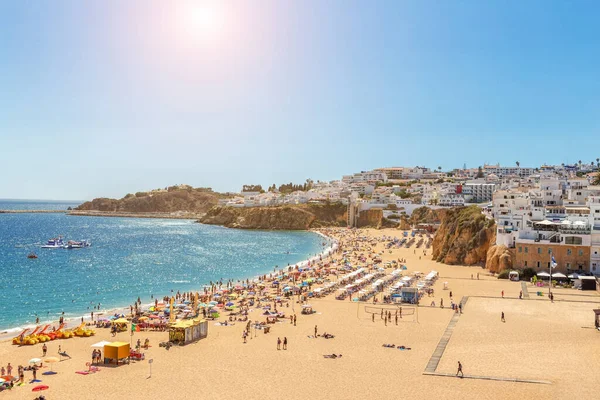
<point x="102" y="98"/>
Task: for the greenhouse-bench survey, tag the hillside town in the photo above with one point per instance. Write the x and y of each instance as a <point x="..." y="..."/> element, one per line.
<point x="550" y="211"/>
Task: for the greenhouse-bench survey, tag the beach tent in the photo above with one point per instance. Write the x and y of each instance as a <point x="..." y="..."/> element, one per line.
<point x="188" y="331"/>
<point x="115" y="352"/>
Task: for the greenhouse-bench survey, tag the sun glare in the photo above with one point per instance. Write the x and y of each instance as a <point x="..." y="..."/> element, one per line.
<point x="205" y="19"/>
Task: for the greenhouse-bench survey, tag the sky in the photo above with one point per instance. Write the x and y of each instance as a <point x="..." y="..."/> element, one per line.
<point x="104" y="98"/>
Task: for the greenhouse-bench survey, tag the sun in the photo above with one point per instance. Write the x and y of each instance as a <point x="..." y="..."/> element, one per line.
<point x="205" y="19"/>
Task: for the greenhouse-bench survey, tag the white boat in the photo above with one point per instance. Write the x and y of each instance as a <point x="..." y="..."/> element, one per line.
<point x="56" y="243"/>
<point x="73" y="244"/>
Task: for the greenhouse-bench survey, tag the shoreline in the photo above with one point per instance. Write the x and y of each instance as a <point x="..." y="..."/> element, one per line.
<point x="9" y="333"/>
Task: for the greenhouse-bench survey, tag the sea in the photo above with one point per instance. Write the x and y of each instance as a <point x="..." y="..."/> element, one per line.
<point x="129" y="258"/>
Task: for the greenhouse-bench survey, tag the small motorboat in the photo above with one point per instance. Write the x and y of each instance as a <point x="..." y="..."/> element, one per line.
<point x="32" y="255"/>
<point x="56" y="243"/>
<point x="73" y="244"/>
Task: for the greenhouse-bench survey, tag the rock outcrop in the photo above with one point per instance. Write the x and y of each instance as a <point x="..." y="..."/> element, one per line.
<point x="297" y="217"/>
<point x="499" y="258"/>
<point x="464" y="237"/>
<point x="182" y="199"/>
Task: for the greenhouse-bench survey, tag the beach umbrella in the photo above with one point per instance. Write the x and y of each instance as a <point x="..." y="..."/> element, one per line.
<point x="51" y="360"/>
<point x="153" y="316"/>
<point x="35" y="361"/>
<point x="229" y="304"/>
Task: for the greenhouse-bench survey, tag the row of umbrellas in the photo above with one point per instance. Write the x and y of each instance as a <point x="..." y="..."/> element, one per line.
<point x="556" y="275"/>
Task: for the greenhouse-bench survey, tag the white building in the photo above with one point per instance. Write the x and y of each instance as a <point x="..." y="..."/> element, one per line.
<point x="478" y="191"/>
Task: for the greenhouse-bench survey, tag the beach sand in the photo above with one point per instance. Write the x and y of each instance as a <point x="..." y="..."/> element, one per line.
<point x="540" y="340"/>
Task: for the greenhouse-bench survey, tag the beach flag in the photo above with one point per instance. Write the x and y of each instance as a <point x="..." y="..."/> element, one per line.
<point x="135" y="328"/>
<point x="553" y="263"/>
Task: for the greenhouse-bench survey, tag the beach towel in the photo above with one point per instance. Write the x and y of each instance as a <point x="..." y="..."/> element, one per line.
<point x="82" y="372"/>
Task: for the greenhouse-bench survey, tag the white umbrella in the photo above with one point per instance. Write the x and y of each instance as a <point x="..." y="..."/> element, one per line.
<point x="573" y="276"/>
<point x="559" y="275"/>
<point x="101" y="344"/>
<point x="543" y="274"/>
<point x="35" y="361"/>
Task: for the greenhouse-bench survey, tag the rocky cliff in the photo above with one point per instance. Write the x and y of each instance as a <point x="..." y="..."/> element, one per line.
<point x="464" y="237"/>
<point x="174" y="199"/>
<point x="499" y="258"/>
<point x="297" y="217"/>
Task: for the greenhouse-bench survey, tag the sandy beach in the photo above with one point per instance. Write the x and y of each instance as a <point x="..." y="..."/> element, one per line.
<point x="553" y="344"/>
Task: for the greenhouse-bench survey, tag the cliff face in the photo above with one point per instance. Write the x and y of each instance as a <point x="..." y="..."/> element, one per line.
<point x="499" y="258"/>
<point x="422" y="215"/>
<point x="287" y="217"/>
<point x="175" y="199"/>
<point x="464" y="237"/>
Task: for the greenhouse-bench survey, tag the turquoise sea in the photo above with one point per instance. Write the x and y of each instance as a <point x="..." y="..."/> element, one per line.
<point x="129" y="257"/>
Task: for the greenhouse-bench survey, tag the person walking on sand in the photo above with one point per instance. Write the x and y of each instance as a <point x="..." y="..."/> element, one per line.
<point x="315" y="331"/>
<point x="502" y="317"/>
<point x="503" y="294"/>
<point x="278" y="343"/>
<point x="285" y="343"/>
<point x="294" y="319"/>
<point x="44" y="350"/>
<point x="373" y="317"/>
<point x="460" y="371"/>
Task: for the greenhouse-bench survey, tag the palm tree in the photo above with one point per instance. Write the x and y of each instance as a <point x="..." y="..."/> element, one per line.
<point x="598" y="162"/>
<point x="518" y="164"/>
<point x="580" y="164"/>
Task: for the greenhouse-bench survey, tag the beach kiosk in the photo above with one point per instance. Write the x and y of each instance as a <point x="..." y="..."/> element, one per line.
<point x="513" y="275"/>
<point x="410" y="295"/>
<point x="188" y="331"/>
<point x="115" y="352"/>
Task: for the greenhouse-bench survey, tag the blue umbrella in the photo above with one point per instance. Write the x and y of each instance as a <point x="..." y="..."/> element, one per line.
<point x="229" y="304"/>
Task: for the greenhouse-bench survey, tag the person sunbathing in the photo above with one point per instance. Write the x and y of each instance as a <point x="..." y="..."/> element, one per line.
<point x="332" y="355"/>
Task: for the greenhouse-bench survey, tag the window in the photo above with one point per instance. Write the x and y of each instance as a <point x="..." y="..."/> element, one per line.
<point x="539" y="250"/>
<point x="568" y="265"/>
<point x="525" y="263"/>
<point x="520" y="249"/>
<point x="580" y="253"/>
<point x="568" y="252"/>
<point x="548" y="264"/>
<point x="538" y="264"/>
<point x="549" y="250"/>
<point x="526" y="249"/>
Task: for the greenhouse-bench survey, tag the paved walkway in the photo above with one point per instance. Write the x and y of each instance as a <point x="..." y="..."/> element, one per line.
<point x="434" y="361"/>
<point x="441" y="347"/>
